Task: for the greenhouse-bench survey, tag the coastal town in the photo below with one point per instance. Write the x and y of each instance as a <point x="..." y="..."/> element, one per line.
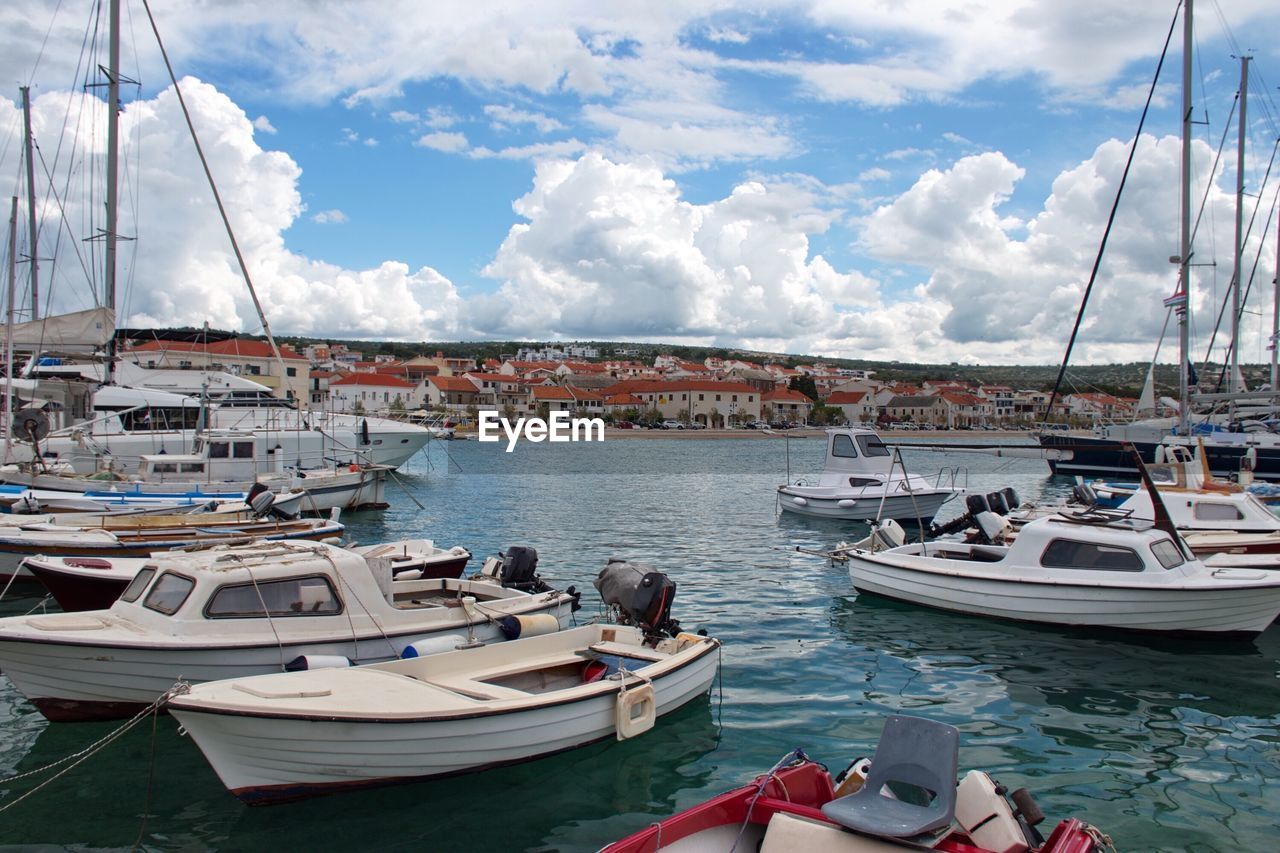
<point x="716" y="393"/>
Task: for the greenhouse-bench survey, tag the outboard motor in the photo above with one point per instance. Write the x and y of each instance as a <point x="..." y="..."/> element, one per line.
<point x="259" y="500"/>
<point x="1011" y="498"/>
<point x="519" y="570"/>
<point x="974" y="504"/>
<point x="27" y="504"/>
<point x="1084" y="494"/>
<point x="996" y="501"/>
<point x="991" y="527"/>
<point x="638" y="595"/>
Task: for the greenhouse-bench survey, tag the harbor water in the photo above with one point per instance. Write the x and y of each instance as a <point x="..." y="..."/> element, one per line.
<point x="1164" y="744"/>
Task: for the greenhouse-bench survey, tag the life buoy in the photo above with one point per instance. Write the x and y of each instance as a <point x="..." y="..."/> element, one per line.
<point x="353" y="467"/>
<point x="635" y="712"/>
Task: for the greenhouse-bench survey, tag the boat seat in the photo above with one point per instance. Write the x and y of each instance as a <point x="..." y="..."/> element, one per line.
<point x="913" y="752"/>
<point x="787" y="833"/>
<point x="473" y="689"/>
<point x="623" y="650"/>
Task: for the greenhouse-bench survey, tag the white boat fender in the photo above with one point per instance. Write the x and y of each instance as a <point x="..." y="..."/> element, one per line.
<point x="305" y="662"/>
<point x="799" y="501"/>
<point x="408" y="575"/>
<point x="635" y="712"/>
<point x="433" y="646"/>
<point x="846" y="503"/>
<point x="534" y="625"/>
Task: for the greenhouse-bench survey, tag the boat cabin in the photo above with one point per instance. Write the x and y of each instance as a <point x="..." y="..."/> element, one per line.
<point x="233" y="590"/>
<point x="856" y="458"/>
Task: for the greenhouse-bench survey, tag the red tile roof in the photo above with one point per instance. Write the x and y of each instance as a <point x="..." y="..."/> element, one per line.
<point x="845" y="398"/>
<point x="381" y="380"/>
<point x="662" y="386"/>
<point x="551" y="392"/>
<point x="453" y="383"/>
<point x="784" y="395"/>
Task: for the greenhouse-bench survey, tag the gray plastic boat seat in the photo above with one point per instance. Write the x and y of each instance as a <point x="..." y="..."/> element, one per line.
<point x="912" y="751"/>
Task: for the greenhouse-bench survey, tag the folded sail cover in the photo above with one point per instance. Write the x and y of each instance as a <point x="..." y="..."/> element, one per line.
<point x="77" y="331"/>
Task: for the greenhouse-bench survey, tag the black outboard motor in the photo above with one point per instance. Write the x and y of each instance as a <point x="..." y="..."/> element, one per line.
<point x="1011" y="498"/>
<point x="1084" y="494"/>
<point x="261" y="501"/>
<point x="520" y="569"/>
<point x="996" y="501"/>
<point x="639" y="596"/>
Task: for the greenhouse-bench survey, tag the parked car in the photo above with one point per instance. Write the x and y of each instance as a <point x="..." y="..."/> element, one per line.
<point x="623" y="425"/>
<point x="672" y="425"/>
<point x="696" y="425"/>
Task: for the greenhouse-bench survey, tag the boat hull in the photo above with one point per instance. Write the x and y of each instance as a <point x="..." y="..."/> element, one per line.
<point x="1229" y="610"/>
<point x="265" y="759"/>
<point x="1092" y="456"/>
<point x="13" y="550"/>
<point x="922" y="506"/>
<point x="81" y="681"/>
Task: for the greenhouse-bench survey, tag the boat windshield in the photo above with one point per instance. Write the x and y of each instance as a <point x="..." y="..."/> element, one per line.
<point x="1167" y="553"/>
<point x="1070" y="554"/>
<point x="842" y="446"/>
<point x="169" y="593"/>
<point x="138" y="584"/>
<point x="872" y="445"/>
<point x="302" y="596"/>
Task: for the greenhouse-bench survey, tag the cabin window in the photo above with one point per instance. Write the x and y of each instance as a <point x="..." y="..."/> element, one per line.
<point x="219" y="450"/>
<point x="1167" y="553"/>
<point x="872" y="445"/>
<point x="1216" y="512"/>
<point x="244" y="450"/>
<point x="164" y="467"/>
<point x="138" y="584"/>
<point x="862" y="482"/>
<point x="307" y="596"/>
<point x="169" y="593"/>
<point x="1069" y="554"/>
<point x="842" y="446"/>
<point x="191" y="467"/>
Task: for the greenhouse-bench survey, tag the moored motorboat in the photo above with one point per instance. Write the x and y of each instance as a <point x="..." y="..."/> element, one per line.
<point x="94" y="583"/>
<point x="235" y="611"/>
<point x="863" y="480"/>
<point x="138" y="535"/>
<point x="1077" y="571"/>
<point x="285" y="736"/>
<point x="798" y="806"/>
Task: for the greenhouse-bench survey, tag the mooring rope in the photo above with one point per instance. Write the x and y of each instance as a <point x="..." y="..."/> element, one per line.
<point x="77" y="758"/>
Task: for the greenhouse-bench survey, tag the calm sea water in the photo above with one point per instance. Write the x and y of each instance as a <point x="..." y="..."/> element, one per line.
<point x="1166" y="745"/>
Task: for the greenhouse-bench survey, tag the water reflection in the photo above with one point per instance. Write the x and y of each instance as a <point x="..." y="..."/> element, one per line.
<point x="1090" y="724"/>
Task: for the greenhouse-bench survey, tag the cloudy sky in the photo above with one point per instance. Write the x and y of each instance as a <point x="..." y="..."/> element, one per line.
<point x="920" y="180"/>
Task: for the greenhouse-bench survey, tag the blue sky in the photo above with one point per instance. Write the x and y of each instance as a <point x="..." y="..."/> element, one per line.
<point x="918" y="180"/>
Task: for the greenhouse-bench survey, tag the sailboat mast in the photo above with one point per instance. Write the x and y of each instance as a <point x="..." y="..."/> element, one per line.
<point x="1275" y="310"/>
<point x="1234" y="384"/>
<point x="8" y="337"/>
<point x="1184" y="246"/>
<point x="113" y="157"/>
<point x="31" y="203"/>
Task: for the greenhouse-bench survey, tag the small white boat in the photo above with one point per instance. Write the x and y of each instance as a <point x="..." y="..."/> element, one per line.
<point x="1069" y="571"/>
<point x="94" y="583"/>
<point x="231" y="612"/>
<point x="291" y="735"/>
<point x="862" y="481"/>
<point x="140" y="534"/>
<point x="222" y="466"/>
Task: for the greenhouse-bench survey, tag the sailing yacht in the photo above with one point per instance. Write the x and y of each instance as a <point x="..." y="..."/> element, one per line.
<point x="71" y="414"/>
<point x="1231" y="443"/>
